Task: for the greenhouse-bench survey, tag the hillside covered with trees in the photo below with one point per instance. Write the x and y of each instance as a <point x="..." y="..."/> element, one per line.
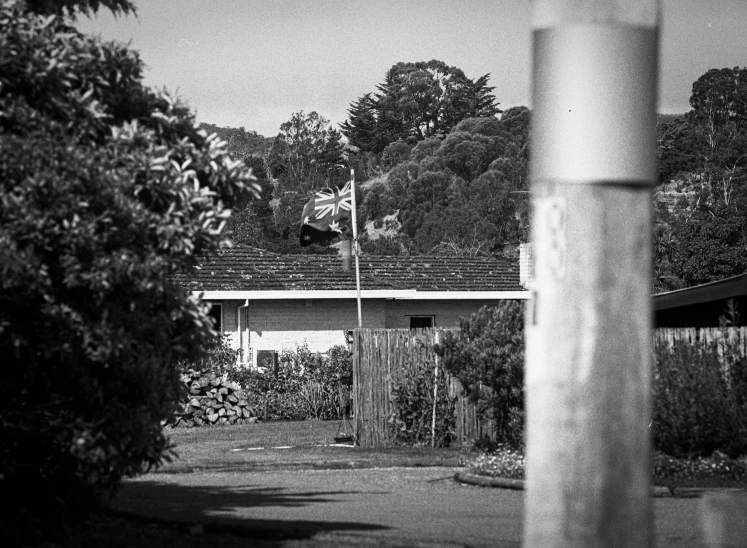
<point x="441" y="169"/>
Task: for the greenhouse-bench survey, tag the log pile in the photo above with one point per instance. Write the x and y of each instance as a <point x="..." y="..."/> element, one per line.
<point x="211" y="399"/>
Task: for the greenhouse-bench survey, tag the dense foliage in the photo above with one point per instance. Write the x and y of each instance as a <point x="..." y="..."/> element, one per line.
<point x="486" y="355"/>
<point x="700" y="233"/>
<point x="412" y="406"/>
<point x="465" y="192"/>
<point x="306" y="156"/>
<point x="700" y="401"/>
<point x="106" y="190"/>
<point x="417" y="101"/>
<point x="305" y="385"/>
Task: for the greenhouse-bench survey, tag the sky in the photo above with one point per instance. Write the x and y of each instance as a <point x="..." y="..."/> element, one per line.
<point x="254" y="63"/>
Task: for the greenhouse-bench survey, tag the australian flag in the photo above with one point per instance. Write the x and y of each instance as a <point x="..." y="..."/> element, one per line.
<point x="327" y="215"/>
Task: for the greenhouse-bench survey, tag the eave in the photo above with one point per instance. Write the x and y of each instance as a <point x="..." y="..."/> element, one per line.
<point x="397" y="294"/>
<point x="735" y="286"/>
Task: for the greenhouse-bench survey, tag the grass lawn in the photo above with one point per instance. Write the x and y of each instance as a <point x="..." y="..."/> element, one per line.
<point x="287" y="445"/>
<point x="310" y="444"/>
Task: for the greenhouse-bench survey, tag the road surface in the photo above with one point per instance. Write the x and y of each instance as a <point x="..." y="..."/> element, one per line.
<point x="392" y="507"/>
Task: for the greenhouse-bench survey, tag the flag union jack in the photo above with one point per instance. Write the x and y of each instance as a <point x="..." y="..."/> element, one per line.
<point x="327" y="215"/>
<point x="331" y="201"/>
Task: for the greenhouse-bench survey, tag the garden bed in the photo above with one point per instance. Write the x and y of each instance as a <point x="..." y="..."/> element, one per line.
<point x="715" y="471"/>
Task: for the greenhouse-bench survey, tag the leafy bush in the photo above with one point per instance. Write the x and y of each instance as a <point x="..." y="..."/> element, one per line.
<point x="107" y="190"/>
<point x="306" y="385"/>
<point x="219" y="357"/>
<point x="412" y="405"/>
<point x="699" y="401"/>
<point x="486" y="355"/>
<point x="670" y="469"/>
<point x="500" y="463"/>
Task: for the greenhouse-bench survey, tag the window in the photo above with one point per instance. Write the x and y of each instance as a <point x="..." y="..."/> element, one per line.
<point x="216" y="312"/>
<point x="420" y="322"/>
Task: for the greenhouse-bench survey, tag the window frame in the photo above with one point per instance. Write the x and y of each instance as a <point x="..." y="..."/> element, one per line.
<point x="430" y="317"/>
<point x="219" y="323"/>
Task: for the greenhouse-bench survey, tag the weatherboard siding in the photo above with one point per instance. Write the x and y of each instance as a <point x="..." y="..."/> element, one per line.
<point x="321" y="324"/>
<point x="445" y="313"/>
<point x="279" y="325"/>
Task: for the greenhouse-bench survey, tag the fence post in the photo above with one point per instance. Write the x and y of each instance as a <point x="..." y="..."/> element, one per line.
<point x="588" y="333"/>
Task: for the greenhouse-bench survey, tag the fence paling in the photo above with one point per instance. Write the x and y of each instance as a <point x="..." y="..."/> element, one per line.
<point x="735" y="337"/>
<point x="379" y="355"/>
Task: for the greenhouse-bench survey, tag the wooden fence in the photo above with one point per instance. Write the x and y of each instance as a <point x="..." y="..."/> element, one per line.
<point x="378" y="356"/>
<point x="734" y="337"/>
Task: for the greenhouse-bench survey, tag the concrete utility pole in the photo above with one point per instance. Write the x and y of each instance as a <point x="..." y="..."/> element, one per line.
<point x="593" y="165"/>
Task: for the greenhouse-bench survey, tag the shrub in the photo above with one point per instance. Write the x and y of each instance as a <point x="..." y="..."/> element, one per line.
<point x="486" y="355"/>
<point x="499" y="463"/>
<point x="306" y="385"/>
<point x="412" y="405"/>
<point x="107" y="190"/>
<point x="699" y="401"/>
<point x="219" y="357"/>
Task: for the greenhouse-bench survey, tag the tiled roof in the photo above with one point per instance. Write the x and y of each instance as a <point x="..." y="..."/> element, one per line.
<point x="246" y="268"/>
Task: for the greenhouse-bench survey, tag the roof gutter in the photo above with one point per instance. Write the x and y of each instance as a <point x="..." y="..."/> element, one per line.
<point x="365" y="294"/>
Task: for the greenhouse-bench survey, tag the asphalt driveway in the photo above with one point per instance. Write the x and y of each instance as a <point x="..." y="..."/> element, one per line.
<point x="392" y="507"/>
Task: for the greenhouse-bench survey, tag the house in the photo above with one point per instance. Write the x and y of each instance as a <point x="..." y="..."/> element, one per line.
<point x="263" y="301"/>
<point x="703" y="305"/>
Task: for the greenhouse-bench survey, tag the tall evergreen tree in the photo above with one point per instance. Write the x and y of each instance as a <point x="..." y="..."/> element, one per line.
<point x="417" y="101"/>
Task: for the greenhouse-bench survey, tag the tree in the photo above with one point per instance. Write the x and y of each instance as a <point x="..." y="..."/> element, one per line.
<point x="360" y="128"/>
<point x="107" y="191"/>
<point x="468" y="190"/>
<point x="699" y="239"/>
<point x="486" y="355"/>
<point x="308" y="151"/>
<point x="719" y="97"/>
<point x="417" y="101"/>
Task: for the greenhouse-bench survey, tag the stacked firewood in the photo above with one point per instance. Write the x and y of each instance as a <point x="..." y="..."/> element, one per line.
<point x="212" y="400"/>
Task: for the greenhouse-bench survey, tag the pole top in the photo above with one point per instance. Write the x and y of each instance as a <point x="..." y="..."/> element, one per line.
<point x="639" y="13"/>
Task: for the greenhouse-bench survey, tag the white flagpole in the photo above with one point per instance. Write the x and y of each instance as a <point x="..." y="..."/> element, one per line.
<point x="355" y="248"/>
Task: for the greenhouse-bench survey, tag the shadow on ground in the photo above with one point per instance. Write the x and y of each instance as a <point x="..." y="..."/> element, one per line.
<point x="218" y="510"/>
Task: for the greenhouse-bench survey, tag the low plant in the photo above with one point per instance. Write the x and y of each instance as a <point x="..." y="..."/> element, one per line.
<point x="411" y="418"/>
<point x="670" y="469"/>
<point x="699" y="400"/>
<point x="305" y="385"/>
<point x="503" y="462"/>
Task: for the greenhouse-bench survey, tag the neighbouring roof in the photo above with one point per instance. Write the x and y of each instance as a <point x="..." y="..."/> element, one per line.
<point x="244" y="268"/>
<point x="736" y="286"/>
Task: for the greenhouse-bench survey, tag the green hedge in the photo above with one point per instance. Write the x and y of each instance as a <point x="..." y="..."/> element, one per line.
<point x="700" y="401"/>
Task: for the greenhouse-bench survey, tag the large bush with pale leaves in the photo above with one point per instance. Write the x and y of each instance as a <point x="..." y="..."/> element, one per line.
<point x="107" y="189"/>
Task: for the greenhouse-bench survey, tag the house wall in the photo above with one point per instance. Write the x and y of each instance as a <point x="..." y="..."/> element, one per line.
<point x="445" y="313"/>
<point x="278" y="325"/>
<point x="321" y="324"/>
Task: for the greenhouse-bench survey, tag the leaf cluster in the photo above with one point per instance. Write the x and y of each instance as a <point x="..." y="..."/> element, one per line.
<point x="107" y="189"/>
<point x="305" y="385"/>
<point x="411" y="416"/>
<point x="700" y="401"/>
<point x="486" y="355"/>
